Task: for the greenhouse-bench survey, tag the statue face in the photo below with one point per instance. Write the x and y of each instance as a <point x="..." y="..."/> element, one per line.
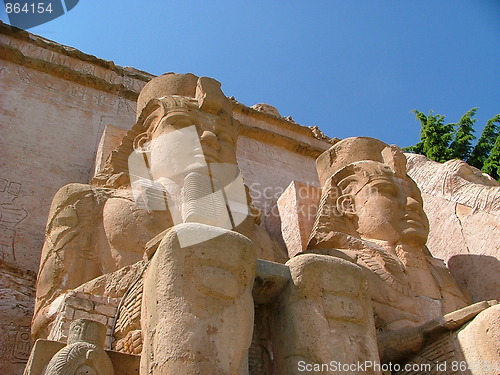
<point x="183" y="141"/>
<point x="415" y="222"/>
<point x="390" y="209"/>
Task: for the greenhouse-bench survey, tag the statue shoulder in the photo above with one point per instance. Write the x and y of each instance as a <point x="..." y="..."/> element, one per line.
<point x="75" y="210"/>
<point x="69" y="257"/>
<point x="75" y="195"/>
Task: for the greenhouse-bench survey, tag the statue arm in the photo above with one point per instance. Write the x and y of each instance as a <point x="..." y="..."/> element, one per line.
<point x="68" y="257"/>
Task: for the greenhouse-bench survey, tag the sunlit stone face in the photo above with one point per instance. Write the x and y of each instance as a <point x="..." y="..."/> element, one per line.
<point x="184" y="141"/>
<point x="415" y="222"/>
<point x="390" y="209"/>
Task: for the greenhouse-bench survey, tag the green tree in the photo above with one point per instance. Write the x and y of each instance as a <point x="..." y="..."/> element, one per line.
<point x="492" y="163"/>
<point x="461" y="146"/>
<point x="442" y="142"/>
<point x="485" y="143"/>
<point x="435" y="136"/>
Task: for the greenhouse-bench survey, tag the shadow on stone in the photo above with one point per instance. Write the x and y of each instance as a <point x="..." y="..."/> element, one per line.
<point x="477" y="274"/>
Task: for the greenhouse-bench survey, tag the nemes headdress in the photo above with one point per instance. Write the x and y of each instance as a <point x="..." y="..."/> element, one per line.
<point x="206" y="92"/>
<point x="170" y="90"/>
<point x="345" y="168"/>
<point x="341" y="160"/>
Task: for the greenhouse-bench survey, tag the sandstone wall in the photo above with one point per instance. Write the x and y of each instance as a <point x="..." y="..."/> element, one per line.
<point x="54" y="104"/>
<point x="463" y="206"/>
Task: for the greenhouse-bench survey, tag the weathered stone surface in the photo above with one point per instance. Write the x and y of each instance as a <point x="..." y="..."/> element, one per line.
<point x="397" y="346"/>
<point x="266" y="108"/>
<point x="42" y="353"/>
<point x="463" y="206"/>
<point x="16" y="308"/>
<point x="270" y="279"/>
<point x="452" y="347"/>
<point x="324" y="307"/>
<point x="58" y="147"/>
<point x="480" y="342"/>
<point x="297" y="208"/>
<point x="197" y="312"/>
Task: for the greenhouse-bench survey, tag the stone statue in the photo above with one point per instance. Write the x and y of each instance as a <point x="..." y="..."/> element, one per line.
<point x="168" y="228"/>
<point x="324" y="316"/>
<point x="197" y="294"/>
<point x="371" y="213"/>
<point x="84" y="353"/>
<point x="167" y="199"/>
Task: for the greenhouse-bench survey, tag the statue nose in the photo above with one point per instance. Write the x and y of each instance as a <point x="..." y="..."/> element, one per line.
<point x="209" y="139"/>
<point x="412" y="204"/>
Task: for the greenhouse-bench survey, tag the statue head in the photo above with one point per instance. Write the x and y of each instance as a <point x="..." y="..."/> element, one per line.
<point x="183" y="133"/>
<point x="84" y="330"/>
<point x="184" y="122"/>
<point x="180" y="155"/>
<point x="369" y="193"/>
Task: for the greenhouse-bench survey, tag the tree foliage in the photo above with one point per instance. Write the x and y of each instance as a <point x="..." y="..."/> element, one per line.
<point x="485" y="143"/>
<point x="442" y="142"/>
<point x="435" y="137"/>
<point x="492" y="163"/>
<point x="461" y="146"/>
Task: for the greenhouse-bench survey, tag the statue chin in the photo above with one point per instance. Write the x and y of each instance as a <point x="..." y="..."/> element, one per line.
<point x="416" y="236"/>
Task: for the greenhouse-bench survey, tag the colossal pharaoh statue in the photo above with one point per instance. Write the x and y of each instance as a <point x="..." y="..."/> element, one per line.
<point x="176" y="165"/>
<point x="372" y="213"/>
<point x="167" y="230"/>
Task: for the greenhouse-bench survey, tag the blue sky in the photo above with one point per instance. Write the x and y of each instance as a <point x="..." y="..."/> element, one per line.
<point x="353" y="68"/>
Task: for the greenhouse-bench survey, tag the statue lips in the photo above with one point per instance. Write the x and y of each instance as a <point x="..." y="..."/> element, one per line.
<point x="415" y="222"/>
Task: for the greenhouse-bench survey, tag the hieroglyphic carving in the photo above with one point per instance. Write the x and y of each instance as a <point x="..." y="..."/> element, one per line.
<point x="269" y="151"/>
<point x="33" y="51"/>
<point x="81" y="93"/>
<point x="24" y="76"/>
<point x="22" y="345"/>
<point x="11" y="214"/>
<point x="125" y="106"/>
<point x="107" y="100"/>
<point x="3" y="71"/>
<point x="87" y="69"/>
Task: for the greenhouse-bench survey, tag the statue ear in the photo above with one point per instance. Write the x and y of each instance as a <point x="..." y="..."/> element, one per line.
<point x="152" y="113"/>
<point x="142" y="142"/>
<point x="345" y="205"/>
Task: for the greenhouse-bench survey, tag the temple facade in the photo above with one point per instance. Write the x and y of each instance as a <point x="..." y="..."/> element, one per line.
<point x="162" y="226"/>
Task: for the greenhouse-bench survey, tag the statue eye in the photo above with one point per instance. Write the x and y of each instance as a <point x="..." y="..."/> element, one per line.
<point x="181" y="123"/>
<point x="387" y="190"/>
